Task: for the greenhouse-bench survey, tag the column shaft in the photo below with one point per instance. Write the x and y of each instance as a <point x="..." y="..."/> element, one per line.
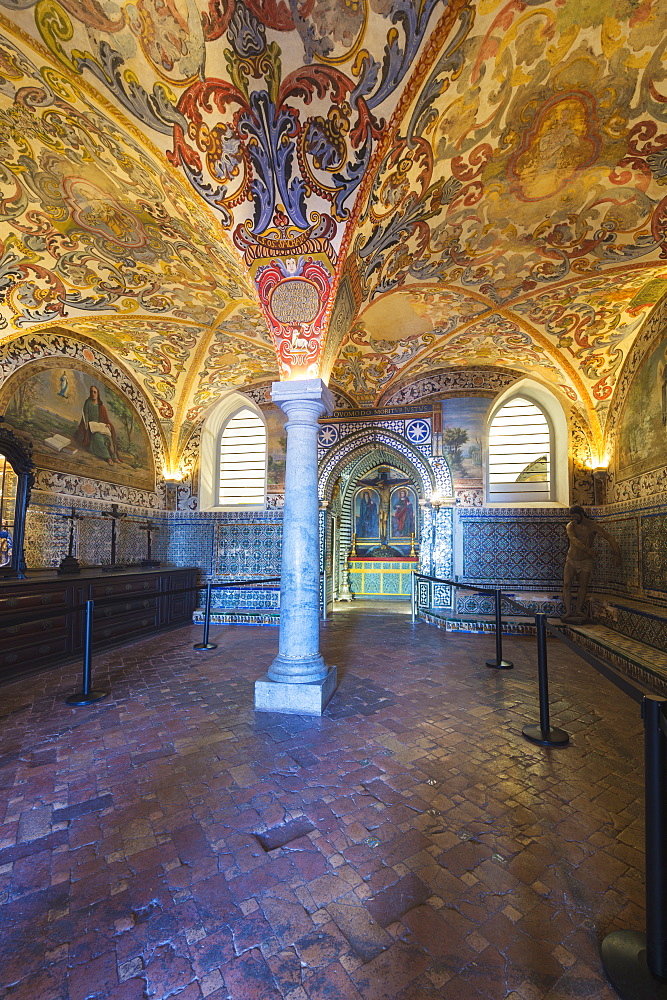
<point x="298" y="680"/>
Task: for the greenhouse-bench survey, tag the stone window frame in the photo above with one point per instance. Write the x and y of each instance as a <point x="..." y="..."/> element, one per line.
<point x="209" y="452"/>
<point x="552" y="409"/>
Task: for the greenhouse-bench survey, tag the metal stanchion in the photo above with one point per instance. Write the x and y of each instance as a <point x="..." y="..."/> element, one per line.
<point x="636" y="963"/>
<point x="543" y="734"/>
<point x="205" y="644"/>
<point x="499" y="663"/>
<point x="413" y="596"/>
<point x="87" y="696"/>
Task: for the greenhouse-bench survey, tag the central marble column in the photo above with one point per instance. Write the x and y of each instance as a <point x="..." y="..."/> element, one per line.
<point x="298" y="680"/>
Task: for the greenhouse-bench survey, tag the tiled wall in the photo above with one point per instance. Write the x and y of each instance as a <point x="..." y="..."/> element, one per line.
<point x="640" y="528"/>
<point x="515" y="548"/>
<point x="47" y="533"/>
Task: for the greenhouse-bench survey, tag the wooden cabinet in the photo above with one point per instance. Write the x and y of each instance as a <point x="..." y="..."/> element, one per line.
<point x="128" y="605"/>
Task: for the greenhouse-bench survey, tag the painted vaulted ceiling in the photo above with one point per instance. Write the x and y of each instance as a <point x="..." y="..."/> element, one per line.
<point x="223" y="193"/>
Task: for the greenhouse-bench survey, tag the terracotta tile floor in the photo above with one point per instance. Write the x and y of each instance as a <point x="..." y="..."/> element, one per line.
<point x="409" y="845"/>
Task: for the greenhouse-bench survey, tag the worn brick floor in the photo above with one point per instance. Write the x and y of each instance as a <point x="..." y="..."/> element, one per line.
<point x="409" y="845"/>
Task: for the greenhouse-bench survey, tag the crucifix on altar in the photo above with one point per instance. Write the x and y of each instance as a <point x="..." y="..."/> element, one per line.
<point x="149" y="527"/>
<point x="115" y="516"/>
<point x="70" y="564"/>
<point x="384" y="486"/>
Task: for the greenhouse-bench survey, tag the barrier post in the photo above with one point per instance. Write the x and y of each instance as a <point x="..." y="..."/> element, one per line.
<point x="543" y="734"/>
<point x="86" y="695"/>
<point x="413" y="596"/>
<point x="635" y="963"/>
<point x="499" y="663"/>
<point x="205" y="644"/>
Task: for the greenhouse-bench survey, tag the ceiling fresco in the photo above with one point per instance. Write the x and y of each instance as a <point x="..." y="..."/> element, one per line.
<point x="206" y="188"/>
<point x="530" y="169"/>
<point x="271" y="111"/>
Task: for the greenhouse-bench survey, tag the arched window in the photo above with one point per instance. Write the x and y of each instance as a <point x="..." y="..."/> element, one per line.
<point x="520" y="453"/>
<point x="233" y="456"/>
<point x="242" y="461"/>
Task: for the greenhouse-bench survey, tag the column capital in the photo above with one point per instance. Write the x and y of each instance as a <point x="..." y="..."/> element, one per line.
<point x="307" y="390"/>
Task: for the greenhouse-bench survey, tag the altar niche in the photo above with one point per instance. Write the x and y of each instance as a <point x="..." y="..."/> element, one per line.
<point x="385" y="506"/>
<point x="385" y="539"/>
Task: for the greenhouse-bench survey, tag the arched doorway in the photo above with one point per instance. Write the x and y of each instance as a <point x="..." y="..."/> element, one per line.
<point x="381" y="524"/>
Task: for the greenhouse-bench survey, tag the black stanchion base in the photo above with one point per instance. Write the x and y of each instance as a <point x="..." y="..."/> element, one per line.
<point x="624" y="961"/>
<point x="86" y="699"/>
<point x="205" y="645"/>
<point x="500" y="664"/>
<point x="546" y="738"/>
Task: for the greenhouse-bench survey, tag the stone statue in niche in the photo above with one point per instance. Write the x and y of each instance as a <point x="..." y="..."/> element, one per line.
<point x="581" y="532"/>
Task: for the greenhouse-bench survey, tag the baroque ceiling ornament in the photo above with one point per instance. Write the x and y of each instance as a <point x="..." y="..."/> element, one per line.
<point x="209" y="189"/>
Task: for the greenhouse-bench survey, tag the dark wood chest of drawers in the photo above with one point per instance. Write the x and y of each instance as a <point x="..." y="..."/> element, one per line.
<point x="128" y="605"/>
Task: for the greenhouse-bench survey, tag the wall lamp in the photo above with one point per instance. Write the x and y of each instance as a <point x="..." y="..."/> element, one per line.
<point x="436" y="500"/>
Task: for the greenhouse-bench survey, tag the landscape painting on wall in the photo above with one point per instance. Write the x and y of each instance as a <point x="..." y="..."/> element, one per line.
<point x="463" y="420"/>
<point x="80" y="424"/>
<point x="642" y="437"/>
<point x="277" y="446"/>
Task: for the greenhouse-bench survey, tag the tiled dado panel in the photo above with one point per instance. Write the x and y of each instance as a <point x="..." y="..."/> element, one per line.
<point x="623" y="577"/>
<point x="227" y="545"/>
<point x="523" y="548"/>
<point x="654" y="552"/>
<point x="253" y="598"/>
<point x="249" y="548"/>
<point x="192" y="542"/>
<point x="642" y="536"/>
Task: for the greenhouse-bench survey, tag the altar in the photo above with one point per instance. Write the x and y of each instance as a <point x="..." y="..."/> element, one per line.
<point x="384" y="550"/>
<point x="381" y="577"/>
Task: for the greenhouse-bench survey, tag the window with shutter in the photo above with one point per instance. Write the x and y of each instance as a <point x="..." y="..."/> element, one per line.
<point x="520" y="453"/>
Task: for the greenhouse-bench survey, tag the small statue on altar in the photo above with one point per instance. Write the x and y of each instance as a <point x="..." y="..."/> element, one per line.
<point x="581" y="532"/>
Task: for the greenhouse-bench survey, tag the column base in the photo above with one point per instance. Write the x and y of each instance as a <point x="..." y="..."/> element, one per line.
<point x="295" y="699"/>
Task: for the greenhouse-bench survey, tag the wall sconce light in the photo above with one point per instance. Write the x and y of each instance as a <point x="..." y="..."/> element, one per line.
<point x="173" y="476"/>
<point x="436" y="501"/>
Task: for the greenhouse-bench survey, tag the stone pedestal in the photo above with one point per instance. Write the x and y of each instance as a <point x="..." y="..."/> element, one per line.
<point x="298" y="681"/>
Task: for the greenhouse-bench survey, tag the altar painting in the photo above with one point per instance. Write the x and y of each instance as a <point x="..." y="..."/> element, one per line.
<point x="404" y="507"/>
<point x="79" y="423"/>
<point x="367" y="506"/>
<point x="386" y="513"/>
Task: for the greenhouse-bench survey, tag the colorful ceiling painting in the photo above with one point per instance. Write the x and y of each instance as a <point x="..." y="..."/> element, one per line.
<point x="89" y="224"/>
<point x="270" y="111"/>
<point x="531" y="169"/>
<point x="211" y="190"/>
